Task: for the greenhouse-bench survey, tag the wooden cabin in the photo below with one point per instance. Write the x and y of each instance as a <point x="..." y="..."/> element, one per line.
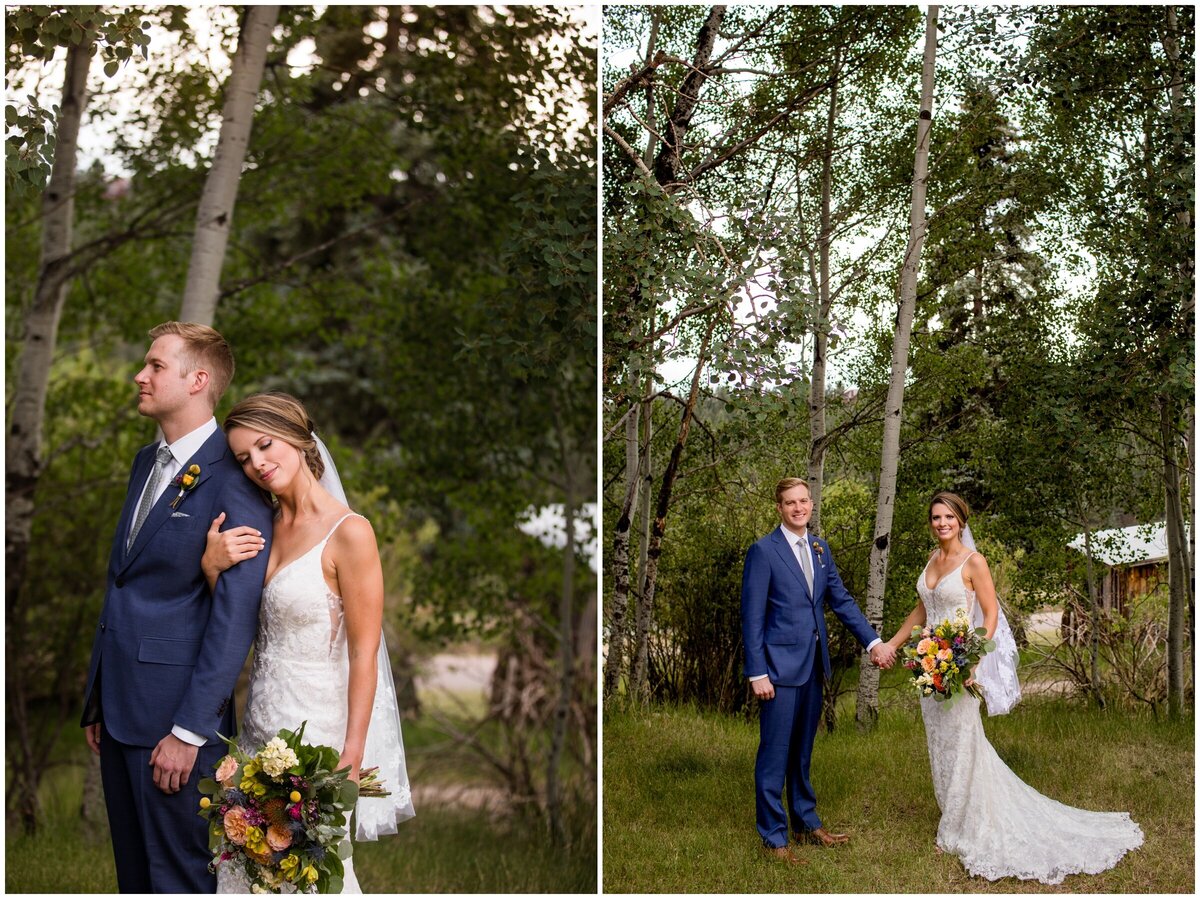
<point x="1131" y="562"/>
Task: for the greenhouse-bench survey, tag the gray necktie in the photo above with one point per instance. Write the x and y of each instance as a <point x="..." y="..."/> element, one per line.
<point x="162" y="460"/>
<point x="805" y="554"/>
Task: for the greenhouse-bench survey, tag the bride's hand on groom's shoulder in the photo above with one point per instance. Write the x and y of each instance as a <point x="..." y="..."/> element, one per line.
<point x="226" y="548"/>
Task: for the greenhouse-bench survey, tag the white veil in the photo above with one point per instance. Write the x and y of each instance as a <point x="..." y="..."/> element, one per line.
<point x="385" y="746"/>
<point x="996" y="672"/>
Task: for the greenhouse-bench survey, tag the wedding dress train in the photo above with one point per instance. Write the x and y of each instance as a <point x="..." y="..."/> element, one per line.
<point x="996" y="824"/>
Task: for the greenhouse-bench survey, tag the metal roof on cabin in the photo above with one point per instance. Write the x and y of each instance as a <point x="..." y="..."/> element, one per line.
<point x="1137" y="544"/>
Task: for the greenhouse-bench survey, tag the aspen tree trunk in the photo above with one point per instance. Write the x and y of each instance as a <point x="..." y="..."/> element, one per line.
<point x="651" y="112"/>
<point x="1094" y="606"/>
<point x="23" y="450"/>
<point x="867" y="710"/>
<point x="1186" y="573"/>
<point x="215" y="214"/>
<point x="816" y="394"/>
<point x="619" y="623"/>
<point x="646" y="477"/>
<point x="640" y="679"/>
<point x="566" y="612"/>
<point x="675" y="129"/>
<point x="1180" y="587"/>
<point x="640" y="662"/>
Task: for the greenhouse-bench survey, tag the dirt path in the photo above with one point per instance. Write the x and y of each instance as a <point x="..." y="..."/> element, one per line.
<point x="457" y="672"/>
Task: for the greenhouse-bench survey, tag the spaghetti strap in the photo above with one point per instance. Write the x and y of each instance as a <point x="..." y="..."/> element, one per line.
<point x="337" y="524"/>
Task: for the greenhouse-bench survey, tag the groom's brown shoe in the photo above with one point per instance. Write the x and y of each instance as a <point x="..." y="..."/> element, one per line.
<point x="783" y="854"/>
<point x="821" y="837"/>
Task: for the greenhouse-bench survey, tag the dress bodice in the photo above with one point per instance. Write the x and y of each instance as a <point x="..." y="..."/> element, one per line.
<point x="300" y="668"/>
<point x="947" y="596"/>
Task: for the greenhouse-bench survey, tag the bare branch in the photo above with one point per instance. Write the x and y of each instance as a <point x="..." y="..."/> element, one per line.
<point x="629" y="151"/>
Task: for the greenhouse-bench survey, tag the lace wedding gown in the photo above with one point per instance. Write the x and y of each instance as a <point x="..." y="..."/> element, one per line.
<point x="996" y="824"/>
<point x="300" y="673"/>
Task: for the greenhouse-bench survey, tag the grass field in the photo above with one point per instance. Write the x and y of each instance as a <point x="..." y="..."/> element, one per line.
<point x="679" y="801"/>
<point x="448" y="848"/>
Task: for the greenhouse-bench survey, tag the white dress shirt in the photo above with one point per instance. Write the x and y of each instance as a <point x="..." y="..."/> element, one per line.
<point x="801" y="544"/>
<point x="182" y="450"/>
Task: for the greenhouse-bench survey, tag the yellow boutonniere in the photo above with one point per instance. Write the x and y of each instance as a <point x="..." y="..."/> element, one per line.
<point x="185" y="482"/>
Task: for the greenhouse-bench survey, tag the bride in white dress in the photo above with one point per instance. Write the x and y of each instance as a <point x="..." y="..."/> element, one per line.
<point x="319" y="655"/>
<point x="996" y="824"/>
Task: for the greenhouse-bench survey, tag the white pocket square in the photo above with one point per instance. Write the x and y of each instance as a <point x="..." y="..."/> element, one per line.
<point x="180" y="515"/>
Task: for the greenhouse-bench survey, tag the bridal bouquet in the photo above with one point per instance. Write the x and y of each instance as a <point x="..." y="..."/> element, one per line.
<point x="941" y="656"/>
<point x="281" y="814"/>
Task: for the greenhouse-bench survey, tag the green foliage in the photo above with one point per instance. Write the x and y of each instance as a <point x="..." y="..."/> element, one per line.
<point x="1053" y="319"/>
<point x="412" y="254"/>
<point x="33" y="36"/>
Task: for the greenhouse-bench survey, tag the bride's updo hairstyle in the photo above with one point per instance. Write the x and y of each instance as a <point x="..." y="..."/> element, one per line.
<point x="280" y="415"/>
<point x="954" y="503"/>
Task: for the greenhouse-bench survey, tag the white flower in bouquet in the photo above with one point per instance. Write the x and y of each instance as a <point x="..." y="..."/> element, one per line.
<point x="276" y="757"/>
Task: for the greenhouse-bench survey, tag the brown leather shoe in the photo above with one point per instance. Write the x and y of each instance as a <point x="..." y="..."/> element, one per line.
<point x="783" y="854"/>
<point x="821" y="837"/>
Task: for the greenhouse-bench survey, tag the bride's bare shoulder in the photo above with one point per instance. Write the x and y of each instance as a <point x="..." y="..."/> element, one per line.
<point x="976" y="567"/>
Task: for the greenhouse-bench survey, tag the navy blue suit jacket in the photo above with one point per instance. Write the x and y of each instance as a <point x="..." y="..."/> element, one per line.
<point x="782" y="623"/>
<point x="167" y="650"/>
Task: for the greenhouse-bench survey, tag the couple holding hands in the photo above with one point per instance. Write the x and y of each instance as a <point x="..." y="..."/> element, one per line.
<point x="995" y="823"/>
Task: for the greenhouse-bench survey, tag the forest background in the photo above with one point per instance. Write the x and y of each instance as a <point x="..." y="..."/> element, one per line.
<point x="1037" y="357"/>
<point x="413" y="254"/>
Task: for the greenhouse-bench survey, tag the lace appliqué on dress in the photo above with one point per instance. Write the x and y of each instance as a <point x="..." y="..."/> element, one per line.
<point x="997" y="824"/>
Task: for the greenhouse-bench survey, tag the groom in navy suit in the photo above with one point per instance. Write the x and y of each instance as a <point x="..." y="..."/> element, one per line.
<point x="167" y="650"/>
<point x="788" y="580"/>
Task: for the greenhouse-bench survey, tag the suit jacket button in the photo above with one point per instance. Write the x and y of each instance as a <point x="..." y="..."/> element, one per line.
<point x="102" y="625"/>
<point x="120" y="582"/>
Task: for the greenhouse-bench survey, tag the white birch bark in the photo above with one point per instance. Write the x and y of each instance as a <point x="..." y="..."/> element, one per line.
<point x="215" y="215"/>
<point x="566" y="613"/>
<point x="619" y="623"/>
<point x="867" y="710"/>
<point x="1180" y="560"/>
<point x="23" y="450"/>
<point x="816" y="395"/>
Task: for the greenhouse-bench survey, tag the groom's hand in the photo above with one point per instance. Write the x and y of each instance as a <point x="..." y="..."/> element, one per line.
<point x="883" y="656"/>
<point x="92" y="732"/>
<point x="763" y="688"/>
<point x="172" y="760"/>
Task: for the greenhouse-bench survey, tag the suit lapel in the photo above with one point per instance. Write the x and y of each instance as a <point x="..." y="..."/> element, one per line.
<point x="210" y="452"/>
<point x="789" y="558"/>
<point x="819" y="571"/>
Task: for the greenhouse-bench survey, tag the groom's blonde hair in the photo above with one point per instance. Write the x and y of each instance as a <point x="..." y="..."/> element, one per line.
<point x="203" y="348"/>
<point x="787" y="484"/>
